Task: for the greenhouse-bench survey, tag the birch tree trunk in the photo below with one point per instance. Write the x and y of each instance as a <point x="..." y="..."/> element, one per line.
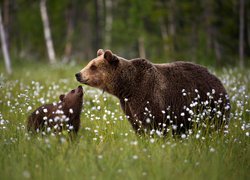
<point x="241" y="33"/>
<point x="98" y="23"/>
<point x="142" y="52"/>
<point x="70" y="16"/>
<point x="208" y="16"/>
<point x="165" y="36"/>
<point x="6" y="20"/>
<point x="47" y="32"/>
<point x="108" y="23"/>
<point x="4" y="47"/>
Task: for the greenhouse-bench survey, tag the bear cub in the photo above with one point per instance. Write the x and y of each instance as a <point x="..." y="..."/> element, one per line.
<point x="64" y="115"/>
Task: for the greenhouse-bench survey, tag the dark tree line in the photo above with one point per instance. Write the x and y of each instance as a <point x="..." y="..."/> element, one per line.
<point x="209" y="31"/>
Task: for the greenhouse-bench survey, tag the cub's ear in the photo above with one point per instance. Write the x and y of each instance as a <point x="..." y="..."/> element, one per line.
<point x="61" y="97"/>
<point x="100" y="52"/>
<point x="112" y="59"/>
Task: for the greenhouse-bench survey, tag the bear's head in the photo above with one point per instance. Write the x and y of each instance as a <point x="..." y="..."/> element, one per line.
<point x="100" y="71"/>
<point x="73" y="99"/>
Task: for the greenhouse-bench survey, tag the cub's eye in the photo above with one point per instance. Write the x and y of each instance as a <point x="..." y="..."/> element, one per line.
<point x="72" y="91"/>
<point x="93" y="67"/>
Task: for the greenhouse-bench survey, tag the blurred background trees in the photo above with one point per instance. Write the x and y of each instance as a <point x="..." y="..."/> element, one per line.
<point x="213" y="32"/>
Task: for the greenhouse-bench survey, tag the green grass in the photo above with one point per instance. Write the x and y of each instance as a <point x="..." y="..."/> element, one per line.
<point x="106" y="146"/>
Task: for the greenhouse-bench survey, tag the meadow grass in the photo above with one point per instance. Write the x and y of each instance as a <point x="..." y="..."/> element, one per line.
<point x="106" y="146"/>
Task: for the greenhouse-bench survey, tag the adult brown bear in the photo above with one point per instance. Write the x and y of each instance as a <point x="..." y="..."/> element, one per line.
<point x="155" y="96"/>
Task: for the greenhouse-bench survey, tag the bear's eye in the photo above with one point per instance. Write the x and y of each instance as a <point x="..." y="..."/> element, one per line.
<point x="93" y="67"/>
<point x="72" y="91"/>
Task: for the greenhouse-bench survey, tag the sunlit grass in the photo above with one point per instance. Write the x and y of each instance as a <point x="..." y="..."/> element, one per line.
<point x="106" y="146"/>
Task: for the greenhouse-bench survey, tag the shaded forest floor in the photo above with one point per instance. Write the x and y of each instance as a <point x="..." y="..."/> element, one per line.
<point x="106" y="146"/>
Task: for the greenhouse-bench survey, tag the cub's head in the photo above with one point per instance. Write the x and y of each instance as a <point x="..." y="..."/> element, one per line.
<point x="73" y="99"/>
<point x="99" y="71"/>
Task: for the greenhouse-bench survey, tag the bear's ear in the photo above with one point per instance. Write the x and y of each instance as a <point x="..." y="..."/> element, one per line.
<point x="108" y="56"/>
<point x="100" y="52"/>
<point x="61" y="97"/>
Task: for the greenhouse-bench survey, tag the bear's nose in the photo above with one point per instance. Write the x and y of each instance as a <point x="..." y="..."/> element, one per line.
<point x="78" y="76"/>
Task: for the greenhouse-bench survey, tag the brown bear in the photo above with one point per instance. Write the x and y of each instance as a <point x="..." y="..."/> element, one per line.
<point x="155" y="96"/>
<point x="53" y="118"/>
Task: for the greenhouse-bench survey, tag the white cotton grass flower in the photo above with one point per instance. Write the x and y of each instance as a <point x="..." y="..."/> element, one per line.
<point x="134" y="143"/>
<point x="71" y="111"/>
<point x="183" y="136"/>
<point x="29" y="108"/>
<point x="212" y="149"/>
<point x="148" y="120"/>
<point x="152" y="140"/>
<point x="135" y="157"/>
<point x="174" y="127"/>
<point x="26" y="174"/>
<point x="45" y="110"/>
<point x="100" y="156"/>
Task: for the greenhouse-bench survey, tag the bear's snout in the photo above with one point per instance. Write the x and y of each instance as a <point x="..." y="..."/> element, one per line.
<point x="78" y="76"/>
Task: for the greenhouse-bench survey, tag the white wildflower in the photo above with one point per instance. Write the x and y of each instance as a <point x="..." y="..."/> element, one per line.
<point x="135" y="157"/>
<point x="26" y="174"/>
<point x="183" y="136"/>
<point x="152" y="140"/>
<point x="212" y="149"/>
<point x="174" y="127"/>
<point x="29" y="108"/>
<point x="71" y="111"/>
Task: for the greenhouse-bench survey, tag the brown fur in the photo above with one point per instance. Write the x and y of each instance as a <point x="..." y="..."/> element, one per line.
<point x="59" y="116"/>
<point x="149" y="93"/>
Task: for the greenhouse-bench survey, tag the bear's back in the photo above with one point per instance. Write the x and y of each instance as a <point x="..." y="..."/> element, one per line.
<point x="184" y="75"/>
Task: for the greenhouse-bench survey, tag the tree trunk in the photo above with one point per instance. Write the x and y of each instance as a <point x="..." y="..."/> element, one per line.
<point x="98" y="26"/>
<point x="47" y="32"/>
<point x="142" y="52"/>
<point x="108" y="23"/>
<point x="4" y="47"/>
<point x="241" y="33"/>
<point x="217" y="49"/>
<point x="165" y="36"/>
<point x="70" y="15"/>
<point x="172" y="23"/>
<point x="208" y="15"/>
<point x="6" y="20"/>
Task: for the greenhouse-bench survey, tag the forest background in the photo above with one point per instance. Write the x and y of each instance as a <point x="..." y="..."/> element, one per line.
<point x="210" y="32"/>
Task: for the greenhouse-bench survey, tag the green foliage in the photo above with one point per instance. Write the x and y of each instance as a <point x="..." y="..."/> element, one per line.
<point x="106" y="146"/>
<point x="202" y="31"/>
